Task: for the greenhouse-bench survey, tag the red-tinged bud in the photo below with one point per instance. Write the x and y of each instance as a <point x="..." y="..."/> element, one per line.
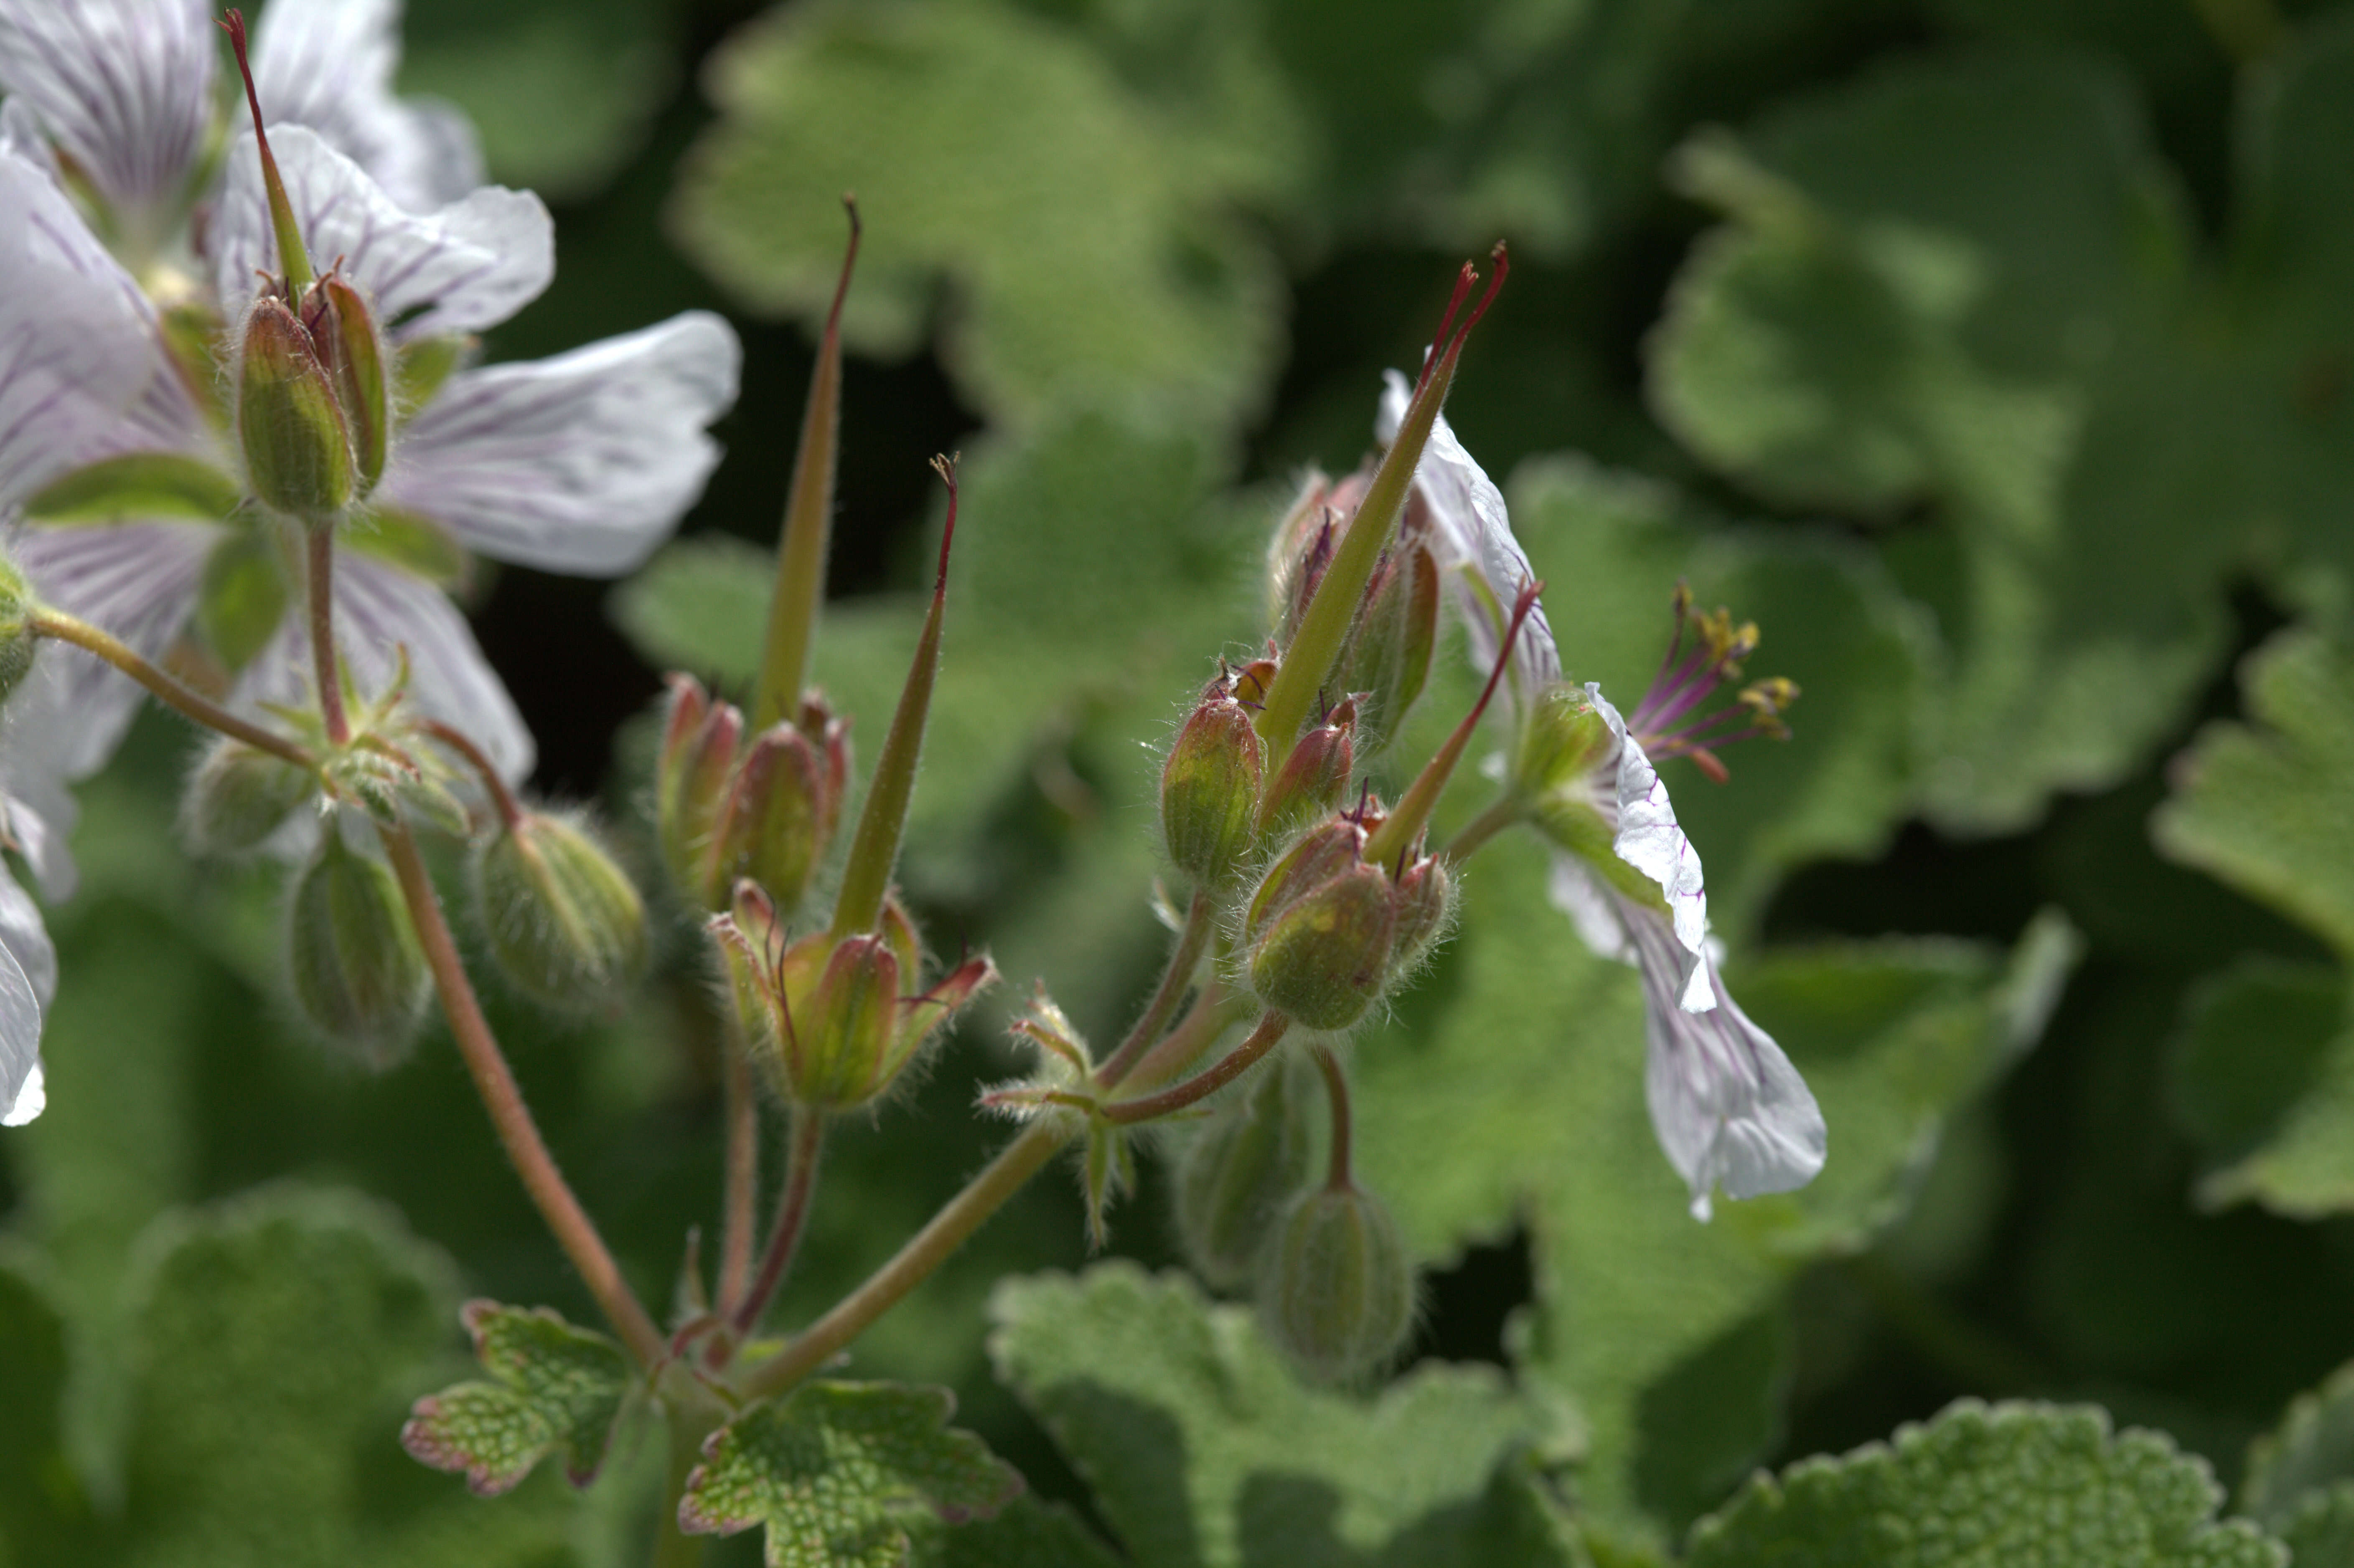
<point x="298" y="450"/>
<point x="1336" y="1291"/>
<point x="1209" y="789"/>
<point x="782" y="804"/>
<point x="344" y="333"/>
<point x="1251" y="682"/>
<point x="1315" y="776"/>
<point x="1241" y="1173"/>
<point x="1425" y="906"/>
<point x="1320" y="931"/>
<point x="1387" y="657"/>
<point x="564" y="923"/>
<point x="698" y="753"/>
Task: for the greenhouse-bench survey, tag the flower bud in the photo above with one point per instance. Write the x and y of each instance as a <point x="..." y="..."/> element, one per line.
<point x="18" y="643"/>
<point x="1335" y="1290"/>
<point x="782" y="805"/>
<point x="344" y="334"/>
<point x="298" y="448"/>
<point x="1314" y="778"/>
<point x="240" y="795"/>
<point x="564" y="922"/>
<point x="698" y="753"/>
<point x="1387" y="657"/>
<point x="1209" y="789"/>
<point x="1320" y="931"/>
<point x="1241" y="1171"/>
<point x="358" y="974"/>
<point x="1425" y="900"/>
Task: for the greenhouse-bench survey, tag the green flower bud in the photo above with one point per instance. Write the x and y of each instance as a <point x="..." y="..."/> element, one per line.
<point x="344" y="333"/>
<point x="782" y="806"/>
<point x="1387" y="657"/>
<point x="1314" y="778"/>
<point x="358" y="973"/>
<point x="18" y="643"/>
<point x="1336" y="1292"/>
<point x="1425" y="900"/>
<point x="298" y="447"/>
<point x="1320" y="931"/>
<point x="1240" y="1172"/>
<point x="1209" y="789"/>
<point x="1301" y="548"/>
<point x="564" y="923"/>
<point x="698" y="753"/>
<point x="1563" y="740"/>
<point x="240" y="795"/>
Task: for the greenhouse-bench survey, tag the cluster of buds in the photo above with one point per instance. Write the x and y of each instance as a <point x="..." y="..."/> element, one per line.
<point x="725" y="809"/>
<point x="1336" y="923"/>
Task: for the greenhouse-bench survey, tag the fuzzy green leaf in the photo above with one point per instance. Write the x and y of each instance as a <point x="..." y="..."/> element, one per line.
<point x="2310" y="1451"/>
<point x="1203" y="1450"/>
<point x="555" y="1387"/>
<point x="2012" y="1486"/>
<point x="832" y="1468"/>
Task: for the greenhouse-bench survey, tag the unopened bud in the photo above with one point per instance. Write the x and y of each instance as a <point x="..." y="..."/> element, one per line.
<point x="1320" y="931"/>
<point x="1335" y="1291"/>
<point x="298" y="448"/>
<point x="1240" y="1172"/>
<point x="343" y="333"/>
<point x="1425" y="901"/>
<point x="564" y="922"/>
<point x="358" y="974"/>
<point x="782" y="805"/>
<point x="1314" y="778"/>
<point x="1209" y="789"/>
<point x="18" y="643"/>
<point x="240" y="795"/>
<point x="1387" y="657"/>
<point x="698" y="753"/>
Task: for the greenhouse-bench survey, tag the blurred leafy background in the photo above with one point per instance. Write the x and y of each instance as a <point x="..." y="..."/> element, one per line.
<point x="1995" y="355"/>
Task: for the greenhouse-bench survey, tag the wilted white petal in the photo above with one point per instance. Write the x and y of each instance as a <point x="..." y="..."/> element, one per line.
<point x="24" y="937"/>
<point x="379" y="609"/>
<point x="1649" y="840"/>
<point x="328" y="65"/>
<point x="1729" y="1109"/>
<point x="1475" y="536"/>
<point x="81" y="358"/>
<point x="580" y="463"/>
<point x="40" y="818"/>
<point x="22" y="1093"/>
<point x="1591" y="909"/>
<point x="124" y="86"/>
<point x="468" y="266"/>
<point x="138" y="581"/>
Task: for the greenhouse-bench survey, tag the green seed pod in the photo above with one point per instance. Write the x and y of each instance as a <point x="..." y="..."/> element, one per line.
<point x="564" y="923"/>
<point x="1209" y="789"/>
<point x="782" y="806"/>
<point x="1320" y="931"/>
<point x="18" y="643"/>
<point x="1387" y="658"/>
<point x="358" y="973"/>
<point x="240" y="795"/>
<point x="344" y="333"/>
<point x="298" y="447"/>
<point x="1335" y="1289"/>
<point x="1240" y="1172"/>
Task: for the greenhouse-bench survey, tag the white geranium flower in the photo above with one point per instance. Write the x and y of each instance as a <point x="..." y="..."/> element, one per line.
<point x="29" y="963"/>
<point x="1729" y="1109"/>
<point x="580" y="463"/>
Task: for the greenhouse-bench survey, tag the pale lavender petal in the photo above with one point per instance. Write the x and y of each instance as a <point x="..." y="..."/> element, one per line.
<point x="1730" y="1110"/>
<point x="28" y="976"/>
<point x="470" y="265"/>
<point x="580" y="463"/>
<point x="124" y="86"/>
<point x="328" y="65"/>
<point x="23" y="135"/>
<point x="1476" y="543"/>
<point x="40" y="818"/>
<point x="24" y="937"/>
<point x="137" y="581"/>
<point x="1591" y="908"/>
<point x="82" y="370"/>
<point x="1647" y="839"/>
<point x="379" y="609"/>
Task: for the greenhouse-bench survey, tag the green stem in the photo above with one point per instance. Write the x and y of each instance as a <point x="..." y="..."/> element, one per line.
<point x="1175" y="981"/>
<point x="805" y="1143"/>
<point x="293" y="261"/>
<point x="1403" y="827"/>
<point x="913" y="1262"/>
<point x="1213" y="1011"/>
<point x="1336" y="1091"/>
<point x="1210" y="1080"/>
<point x="741" y="1191"/>
<point x="1504" y="813"/>
<point x="320" y="551"/>
<point x="62" y="627"/>
<point x="503" y="1098"/>
<point x="503" y="800"/>
<point x="809" y="520"/>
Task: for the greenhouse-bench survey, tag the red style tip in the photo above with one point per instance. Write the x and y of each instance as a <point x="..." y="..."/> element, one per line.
<point x="945" y="467"/>
<point x="233" y="23"/>
<point x="849" y="264"/>
<point x="1522" y="603"/>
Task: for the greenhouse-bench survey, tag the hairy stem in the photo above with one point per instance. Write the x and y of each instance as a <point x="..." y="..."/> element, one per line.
<point x="319" y="544"/>
<point x="1336" y="1090"/>
<point x="503" y="1098"/>
<point x="1212" y="1011"/>
<point x="1504" y="813"/>
<point x="502" y="798"/>
<point x="1184" y="960"/>
<point x="64" y="628"/>
<point x="805" y="1143"/>
<point x="1211" y="1079"/>
<point x="914" y="1261"/>
<point x="742" y="1190"/>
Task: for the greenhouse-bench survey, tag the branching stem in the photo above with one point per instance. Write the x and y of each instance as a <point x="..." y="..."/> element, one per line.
<point x="1210" y="1080"/>
<point x="64" y="628"/>
<point x="805" y="1143"/>
<point x="1175" y="981"/>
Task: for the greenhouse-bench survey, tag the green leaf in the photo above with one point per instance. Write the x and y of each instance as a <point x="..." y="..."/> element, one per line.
<point x="556" y="1387"/>
<point x="2310" y="1452"/>
<point x="1521" y="1058"/>
<point x="1203" y="1450"/>
<point x="832" y="1469"/>
<point x="1105" y="273"/>
<point x="141" y="486"/>
<point x="1025" y="1533"/>
<point x="701" y="606"/>
<point x="2012" y="1486"/>
<point x="2320" y="1532"/>
<point x="44" y="1515"/>
<point x="2262" y="807"/>
<point x="2255" y="1039"/>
